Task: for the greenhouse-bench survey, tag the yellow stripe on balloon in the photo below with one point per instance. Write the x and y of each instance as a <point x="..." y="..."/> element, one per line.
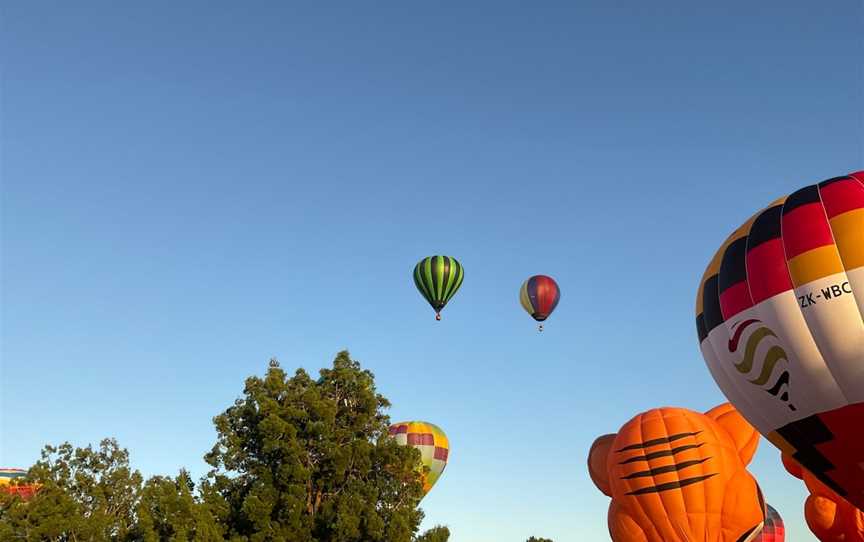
<point x="815" y="264"/>
<point x="525" y="299"/>
<point x="848" y="230"/>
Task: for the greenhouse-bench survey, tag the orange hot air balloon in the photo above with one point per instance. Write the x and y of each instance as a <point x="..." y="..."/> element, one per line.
<point x="675" y="475"/>
<point x="830" y="517"/>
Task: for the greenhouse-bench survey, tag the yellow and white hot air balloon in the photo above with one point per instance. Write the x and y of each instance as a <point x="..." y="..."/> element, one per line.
<point x="432" y="443"/>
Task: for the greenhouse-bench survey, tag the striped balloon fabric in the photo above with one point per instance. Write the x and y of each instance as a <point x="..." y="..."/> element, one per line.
<point x="539" y="296"/>
<point x="780" y="320"/>
<point x="7" y="475"/>
<point x="437" y="278"/>
<point x="432" y="443"/>
<point x="773" y="531"/>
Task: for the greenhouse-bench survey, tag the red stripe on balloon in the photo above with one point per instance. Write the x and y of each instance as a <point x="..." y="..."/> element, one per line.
<point x="441" y="453"/>
<point x="421" y="439"/>
<point x="767" y="273"/>
<point x="842" y="196"/>
<point x="735" y="299"/>
<point x="398" y="429"/>
<point x="805" y="228"/>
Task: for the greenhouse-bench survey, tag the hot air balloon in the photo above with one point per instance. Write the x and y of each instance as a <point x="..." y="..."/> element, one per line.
<point x="830" y="517"/>
<point x="774" y="530"/>
<point x="8" y="475"/>
<point x="438" y="278"/>
<point x="432" y="443"/>
<point x="539" y="296"/>
<point x="10" y="485"/>
<point x="676" y="475"/>
<point x="779" y="320"/>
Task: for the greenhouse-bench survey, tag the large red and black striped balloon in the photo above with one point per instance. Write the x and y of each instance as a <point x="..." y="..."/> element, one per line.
<point x="780" y="320"/>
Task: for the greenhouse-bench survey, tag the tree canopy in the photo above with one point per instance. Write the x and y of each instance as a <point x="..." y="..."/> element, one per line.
<point x="296" y="459"/>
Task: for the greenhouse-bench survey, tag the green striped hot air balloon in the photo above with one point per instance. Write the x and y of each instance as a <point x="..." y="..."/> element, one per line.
<point x="437" y="278"/>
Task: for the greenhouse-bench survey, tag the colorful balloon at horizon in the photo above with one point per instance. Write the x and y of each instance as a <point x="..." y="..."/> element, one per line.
<point x="780" y="325"/>
<point x="675" y="475"/>
<point x="539" y="295"/>
<point x="8" y="475"/>
<point x="774" y="530"/>
<point x="9" y="485"/>
<point x="437" y="278"/>
<point x="432" y="443"/>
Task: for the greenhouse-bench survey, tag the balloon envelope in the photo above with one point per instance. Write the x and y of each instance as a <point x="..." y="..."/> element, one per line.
<point x="774" y="530"/>
<point x="8" y="475"/>
<point x="779" y="319"/>
<point x="8" y="485"/>
<point x="539" y="296"/>
<point x="437" y="278"/>
<point x="675" y="475"/>
<point x="432" y="443"/>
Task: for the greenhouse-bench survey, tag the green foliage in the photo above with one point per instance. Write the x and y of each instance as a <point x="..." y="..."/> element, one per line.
<point x="169" y="510"/>
<point x="304" y="460"/>
<point x="94" y="495"/>
<point x="296" y="460"/>
<point x="86" y="494"/>
<point x="435" y="534"/>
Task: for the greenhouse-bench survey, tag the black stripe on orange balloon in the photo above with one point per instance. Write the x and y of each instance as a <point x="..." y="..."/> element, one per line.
<point x="767" y="270"/>
<point x="672" y="485"/>
<point x="658" y="441"/>
<point x="661" y="453"/>
<point x="675" y="467"/>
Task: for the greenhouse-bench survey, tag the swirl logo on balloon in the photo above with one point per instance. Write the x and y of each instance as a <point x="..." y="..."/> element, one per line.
<point x="768" y="360"/>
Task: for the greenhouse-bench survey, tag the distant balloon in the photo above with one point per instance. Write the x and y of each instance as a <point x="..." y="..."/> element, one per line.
<point x="8" y="475"/>
<point x="780" y="321"/>
<point x="10" y="485"/>
<point x="437" y="278"/>
<point x="774" y="530"/>
<point x="539" y="296"/>
<point x="432" y="443"/>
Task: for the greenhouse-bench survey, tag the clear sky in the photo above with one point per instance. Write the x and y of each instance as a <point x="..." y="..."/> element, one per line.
<point x="190" y="188"/>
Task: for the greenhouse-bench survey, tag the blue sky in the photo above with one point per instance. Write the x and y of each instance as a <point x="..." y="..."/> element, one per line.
<point x="191" y="188"/>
